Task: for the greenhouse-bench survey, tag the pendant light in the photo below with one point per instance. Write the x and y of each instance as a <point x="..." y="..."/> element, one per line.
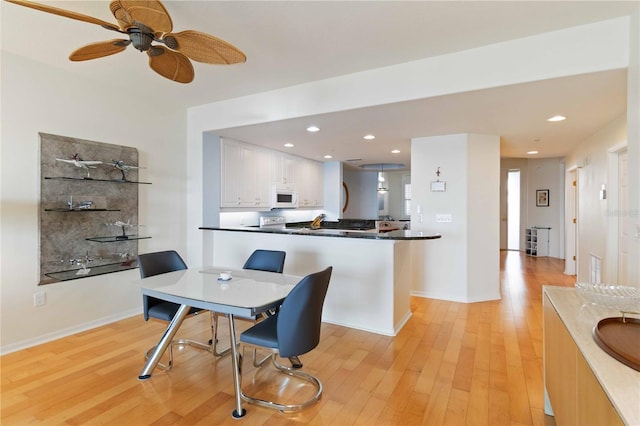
<point x="381" y="181"/>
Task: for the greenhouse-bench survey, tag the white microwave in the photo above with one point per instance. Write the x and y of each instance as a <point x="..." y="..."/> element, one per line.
<point x="284" y="197"/>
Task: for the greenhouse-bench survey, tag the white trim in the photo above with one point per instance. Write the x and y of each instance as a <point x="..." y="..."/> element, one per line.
<point x="58" y="334"/>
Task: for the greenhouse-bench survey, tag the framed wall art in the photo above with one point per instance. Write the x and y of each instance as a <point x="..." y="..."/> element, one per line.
<point x="542" y="198"/>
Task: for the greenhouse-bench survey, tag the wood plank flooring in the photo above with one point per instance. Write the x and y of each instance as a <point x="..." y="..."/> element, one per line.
<point x="452" y="364"/>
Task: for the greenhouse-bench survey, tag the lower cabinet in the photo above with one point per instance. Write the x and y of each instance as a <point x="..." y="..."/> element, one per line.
<point x="574" y="392"/>
<point x="593" y="405"/>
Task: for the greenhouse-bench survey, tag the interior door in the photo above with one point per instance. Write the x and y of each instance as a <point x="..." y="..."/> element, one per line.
<point x="571" y="213"/>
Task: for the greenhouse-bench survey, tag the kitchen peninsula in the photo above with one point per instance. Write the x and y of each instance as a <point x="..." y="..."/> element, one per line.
<point x="372" y="272"/>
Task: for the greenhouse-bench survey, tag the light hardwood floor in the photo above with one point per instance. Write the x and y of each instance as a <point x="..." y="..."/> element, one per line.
<point x="452" y="364"/>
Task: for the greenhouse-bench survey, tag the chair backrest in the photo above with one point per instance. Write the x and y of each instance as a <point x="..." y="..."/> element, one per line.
<point x="266" y="260"/>
<point x="300" y="315"/>
<point x="157" y="263"/>
<point x="160" y="262"/>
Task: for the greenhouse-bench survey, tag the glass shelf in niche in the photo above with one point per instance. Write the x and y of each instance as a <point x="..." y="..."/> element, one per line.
<point x="61" y="210"/>
<point x="117" y="238"/>
<point x="86" y="179"/>
<point x="93" y="271"/>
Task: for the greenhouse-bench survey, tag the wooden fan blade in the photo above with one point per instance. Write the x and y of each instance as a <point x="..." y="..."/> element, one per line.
<point x="172" y="65"/>
<point x="206" y="48"/>
<point x="98" y="50"/>
<point x="122" y="16"/>
<point x="148" y="12"/>
<point x="65" y="13"/>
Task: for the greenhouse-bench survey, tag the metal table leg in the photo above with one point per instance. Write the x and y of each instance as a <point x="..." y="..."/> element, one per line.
<point x="237" y="375"/>
<point x="164" y="342"/>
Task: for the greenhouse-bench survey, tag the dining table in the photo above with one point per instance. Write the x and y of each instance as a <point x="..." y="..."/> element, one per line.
<point x="245" y="294"/>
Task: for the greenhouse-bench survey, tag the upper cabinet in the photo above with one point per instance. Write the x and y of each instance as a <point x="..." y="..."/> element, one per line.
<point x="243" y="170"/>
<point x="248" y="174"/>
<point x="283" y="168"/>
<point x="310" y="187"/>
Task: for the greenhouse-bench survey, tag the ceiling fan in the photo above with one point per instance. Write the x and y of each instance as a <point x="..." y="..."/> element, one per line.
<point x="145" y="22"/>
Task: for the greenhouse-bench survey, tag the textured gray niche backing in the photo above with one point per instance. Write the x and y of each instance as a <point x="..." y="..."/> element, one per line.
<point x="63" y="234"/>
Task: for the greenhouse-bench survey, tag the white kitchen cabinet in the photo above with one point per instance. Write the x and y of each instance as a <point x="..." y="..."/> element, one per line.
<point x="243" y="170"/>
<point x="248" y="174"/>
<point x="255" y="165"/>
<point x="283" y="168"/>
<point x="310" y="184"/>
<point x="230" y="159"/>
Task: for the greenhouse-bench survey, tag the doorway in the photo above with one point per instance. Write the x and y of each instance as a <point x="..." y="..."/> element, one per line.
<point x="513" y="210"/>
<point x="617" y="195"/>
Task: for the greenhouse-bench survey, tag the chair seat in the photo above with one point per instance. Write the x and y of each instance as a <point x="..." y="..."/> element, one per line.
<point x="264" y="333"/>
<point x="165" y="311"/>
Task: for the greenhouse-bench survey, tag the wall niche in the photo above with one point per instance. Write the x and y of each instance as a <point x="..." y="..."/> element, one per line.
<point x="88" y="208"/>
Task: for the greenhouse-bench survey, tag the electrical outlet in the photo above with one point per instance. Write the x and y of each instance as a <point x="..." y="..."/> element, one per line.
<point x="444" y="218"/>
<point x="39" y="298"/>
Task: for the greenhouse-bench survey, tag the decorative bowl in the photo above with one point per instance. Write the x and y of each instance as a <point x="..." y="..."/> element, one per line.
<point x="620" y="297"/>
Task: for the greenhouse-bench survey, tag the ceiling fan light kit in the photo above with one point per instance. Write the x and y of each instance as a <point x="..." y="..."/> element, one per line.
<point x="146" y="22"/>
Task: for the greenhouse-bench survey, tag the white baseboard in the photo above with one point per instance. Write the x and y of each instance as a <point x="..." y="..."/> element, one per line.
<point x="28" y="343"/>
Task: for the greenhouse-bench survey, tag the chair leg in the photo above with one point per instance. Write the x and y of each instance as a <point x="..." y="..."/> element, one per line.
<point x="188" y="342"/>
<point x="257" y="363"/>
<point x="295" y="362"/>
<point x="287" y="408"/>
<point x="214" y="337"/>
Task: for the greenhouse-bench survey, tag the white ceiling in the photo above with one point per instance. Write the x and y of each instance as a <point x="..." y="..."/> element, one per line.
<point x="292" y="42"/>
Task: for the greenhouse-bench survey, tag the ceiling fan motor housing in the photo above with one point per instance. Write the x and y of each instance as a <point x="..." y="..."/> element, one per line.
<point x="140" y="40"/>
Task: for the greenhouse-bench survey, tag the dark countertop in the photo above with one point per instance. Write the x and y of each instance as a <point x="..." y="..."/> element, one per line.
<point x="324" y="232"/>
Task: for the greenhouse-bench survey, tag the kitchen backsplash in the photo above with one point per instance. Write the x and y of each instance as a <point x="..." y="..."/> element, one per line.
<point x="229" y="219"/>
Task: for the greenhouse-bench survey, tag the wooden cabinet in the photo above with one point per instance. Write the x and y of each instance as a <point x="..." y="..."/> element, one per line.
<point x="576" y="396"/>
<point x="248" y="174"/>
<point x="559" y="366"/>
<point x="593" y="406"/>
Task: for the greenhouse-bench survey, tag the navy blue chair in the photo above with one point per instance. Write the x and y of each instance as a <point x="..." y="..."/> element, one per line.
<point x="294" y="330"/>
<point x="157" y="263"/>
<point x="266" y="260"/>
<point x="260" y="260"/>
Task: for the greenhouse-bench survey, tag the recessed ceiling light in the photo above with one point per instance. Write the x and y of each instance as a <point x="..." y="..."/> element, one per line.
<point x="532" y="152"/>
<point x="369" y="137"/>
<point x="395" y="151"/>
<point x="557" y="118"/>
<point x="313" y="129"/>
<point x="328" y="156"/>
<point x="289" y="145"/>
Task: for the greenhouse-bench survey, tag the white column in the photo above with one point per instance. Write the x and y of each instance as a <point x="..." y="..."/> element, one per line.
<point x="464" y="264"/>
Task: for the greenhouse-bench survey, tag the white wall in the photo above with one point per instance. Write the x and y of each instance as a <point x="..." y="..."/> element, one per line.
<point x="36" y="98"/>
<point x="547" y="173"/>
<point x="593" y="216"/>
<point x="464" y="265"/>
<point x="396" y="181"/>
<point x="633" y="139"/>
<point x="363" y="196"/>
<point x="333" y="192"/>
